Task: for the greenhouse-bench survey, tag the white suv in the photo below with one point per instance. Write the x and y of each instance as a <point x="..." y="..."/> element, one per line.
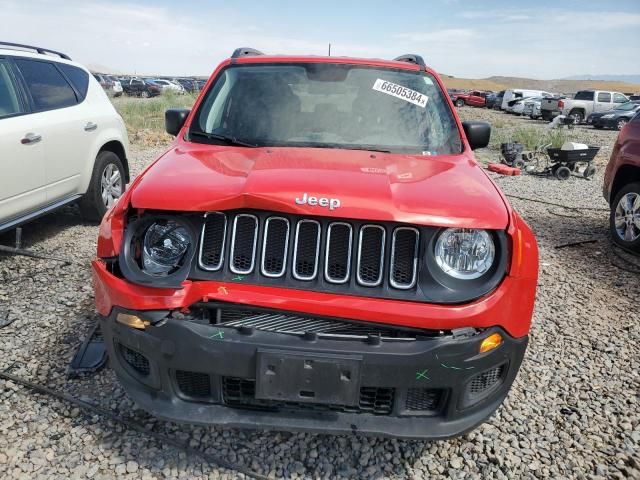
<point x="61" y="139"/>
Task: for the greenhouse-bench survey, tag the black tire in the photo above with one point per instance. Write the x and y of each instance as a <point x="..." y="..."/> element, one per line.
<point x="563" y="173"/>
<point x="631" y="188"/>
<point x="459" y="102"/>
<point x="145" y="94"/>
<point x="577" y="116"/>
<point x="589" y="171"/>
<point x="92" y="205"/>
<point x="621" y="123"/>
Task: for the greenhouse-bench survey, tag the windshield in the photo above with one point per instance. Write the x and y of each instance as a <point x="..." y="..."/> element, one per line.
<point x="627" y="107"/>
<point x="328" y="106"/>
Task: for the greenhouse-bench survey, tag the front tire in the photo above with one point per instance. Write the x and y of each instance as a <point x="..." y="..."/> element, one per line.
<point x="624" y="220"/>
<point x="107" y="184"/>
<point x="459" y="103"/>
<point x="145" y="94"/>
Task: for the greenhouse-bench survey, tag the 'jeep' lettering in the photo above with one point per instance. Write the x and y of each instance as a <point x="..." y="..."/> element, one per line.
<point x="332" y="203"/>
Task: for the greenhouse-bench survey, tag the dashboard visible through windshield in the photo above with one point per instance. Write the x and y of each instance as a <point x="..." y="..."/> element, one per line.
<point x="327" y="105"/>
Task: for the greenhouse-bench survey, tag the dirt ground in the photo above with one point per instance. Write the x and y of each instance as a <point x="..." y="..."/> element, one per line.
<point x="574" y="410"/>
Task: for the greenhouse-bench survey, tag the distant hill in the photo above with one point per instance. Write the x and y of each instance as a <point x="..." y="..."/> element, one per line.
<point x="611" y="78"/>
<point x="497" y="83"/>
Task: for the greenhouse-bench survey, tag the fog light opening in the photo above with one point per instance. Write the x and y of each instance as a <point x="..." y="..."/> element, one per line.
<point x="491" y="342"/>
<point x="132" y="321"/>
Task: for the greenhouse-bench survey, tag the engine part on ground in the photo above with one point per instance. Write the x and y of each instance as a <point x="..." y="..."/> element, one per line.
<point x="511" y="152"/>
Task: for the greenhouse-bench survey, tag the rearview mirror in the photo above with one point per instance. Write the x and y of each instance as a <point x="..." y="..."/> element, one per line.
<point x="478" y="133"/>
<point x="174" y="119"/>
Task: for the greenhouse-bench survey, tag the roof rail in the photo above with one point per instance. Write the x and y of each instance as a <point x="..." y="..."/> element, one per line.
<point x="40" y="50"/>
<point x="411" y="58"/>
<point x="245" y="52"/>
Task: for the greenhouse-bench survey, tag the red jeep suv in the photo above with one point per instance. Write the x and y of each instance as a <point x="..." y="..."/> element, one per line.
<point x="318" y="250"/>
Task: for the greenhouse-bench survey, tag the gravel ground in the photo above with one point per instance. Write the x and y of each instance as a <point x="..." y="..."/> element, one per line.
<point x="574" y="410"/>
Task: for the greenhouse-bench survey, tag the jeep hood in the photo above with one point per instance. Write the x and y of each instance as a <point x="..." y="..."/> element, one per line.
<point x="441" y="191"/>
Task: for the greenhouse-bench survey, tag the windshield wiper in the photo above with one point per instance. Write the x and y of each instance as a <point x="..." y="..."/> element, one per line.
<point x="228" y="139"/>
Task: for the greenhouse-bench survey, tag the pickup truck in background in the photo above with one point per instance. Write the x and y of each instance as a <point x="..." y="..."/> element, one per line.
<point x="474" y="98"/>
<point x="583" y="104"/>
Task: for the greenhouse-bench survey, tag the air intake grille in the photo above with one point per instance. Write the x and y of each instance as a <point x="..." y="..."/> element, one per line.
<point x="240" y="393"/>
<point x="404" y="256"/>
<point x="212" y="241"/>
<point x="274" y="248"/>
<point x="307" y="247"/>
<point x="423" y="399"/>
<point x="136" y="360"/>
<point x="318" y="254"/>
<point x="193" y="384"/>
<point x="486" y="380"/>
<point x="243" y="243"/>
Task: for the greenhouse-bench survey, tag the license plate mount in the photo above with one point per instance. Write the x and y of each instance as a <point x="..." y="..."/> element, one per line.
<point x="308" y="377"/>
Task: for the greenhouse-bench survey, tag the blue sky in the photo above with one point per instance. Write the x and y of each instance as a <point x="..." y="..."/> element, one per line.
<point x="465" y="38"/>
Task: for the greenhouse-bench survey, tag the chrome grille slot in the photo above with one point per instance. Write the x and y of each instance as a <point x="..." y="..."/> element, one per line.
<point x="371" y="255"/>
<point x="243" y="243"/>
<point x="212" y="240"/>
<point x="274" y="247"/>
<point x="306" y="250"/>
<point x="404" y="257"/>
<point x="337" y="264"/>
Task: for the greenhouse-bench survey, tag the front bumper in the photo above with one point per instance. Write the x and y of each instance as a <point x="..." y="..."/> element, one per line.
<point x="429" y="387"/>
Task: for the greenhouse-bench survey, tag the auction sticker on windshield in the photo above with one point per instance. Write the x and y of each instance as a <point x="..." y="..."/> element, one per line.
<point x="400" y="92"/>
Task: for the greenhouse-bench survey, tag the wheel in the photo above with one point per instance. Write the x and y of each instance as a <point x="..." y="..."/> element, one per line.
<point x="589" y="171"/>
<point x="577" y="116"/>
<point x="459" y="102"/>
<point x="563" y="173"/>
<point x="145" y="94"/>
<point x="621" y="123"/>
<point x="624" y="221"/>
<point x="519" y="163"/>
<point x="107" y="184"/>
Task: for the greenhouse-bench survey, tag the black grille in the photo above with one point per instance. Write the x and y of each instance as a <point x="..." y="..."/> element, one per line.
<point x="212" y="242"/>
<point x="307" y="245"/>
<point x="423" y="399"/>
<point x="371" y="255"/>
<point x="193" y="384"/>
<point x="338" y="253"/>
<point x="404" y="257"/>
<point x="274" y="251"/>
<point x="486" y="380"/>
<point x="243" y="250"/>
<point x="136" y="360"/>
<point x="320" y="254"/>
<point x="240" y="393"/>
<point x="286" y="322"/>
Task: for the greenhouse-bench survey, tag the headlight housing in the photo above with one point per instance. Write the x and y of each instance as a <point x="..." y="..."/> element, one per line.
<point x="158" y="250"/>
<point x="464" y="253"/>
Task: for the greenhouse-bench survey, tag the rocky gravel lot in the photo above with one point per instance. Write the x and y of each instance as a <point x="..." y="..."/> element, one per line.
<point x="574" y="411"/>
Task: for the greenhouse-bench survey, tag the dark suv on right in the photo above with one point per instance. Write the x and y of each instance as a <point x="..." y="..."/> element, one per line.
<point x="622" y="186"/>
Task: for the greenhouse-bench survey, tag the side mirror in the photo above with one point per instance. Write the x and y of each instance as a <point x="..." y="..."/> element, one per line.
<point x="478" y="133"/>
<point x="174" y="119"/>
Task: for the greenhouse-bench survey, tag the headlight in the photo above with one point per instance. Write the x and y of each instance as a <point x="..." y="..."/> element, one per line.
<point x="609" y="115"/>
<point x="464" y="253"/>
<point x="158" y="249"/>
<point x="164" y="247"/>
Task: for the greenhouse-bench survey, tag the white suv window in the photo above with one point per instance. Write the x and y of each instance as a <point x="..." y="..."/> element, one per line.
<point x="619" y="98"/>
<point x="49" y="89"/>
<point x="9" y="101"/>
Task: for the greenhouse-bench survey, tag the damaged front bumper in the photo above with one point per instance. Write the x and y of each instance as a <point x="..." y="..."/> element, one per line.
<point x="189" y="370"/>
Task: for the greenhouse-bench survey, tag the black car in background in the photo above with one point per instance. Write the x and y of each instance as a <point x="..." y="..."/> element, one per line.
<point x="491" y="99"/>
<point x="616" y="118"/>
<point x="497" y="101"/>
<point x="139" y="87"/>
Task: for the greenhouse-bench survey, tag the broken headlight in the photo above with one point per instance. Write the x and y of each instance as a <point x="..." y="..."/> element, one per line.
<point x="464" y="253"/>
<point x="158" y="250"/>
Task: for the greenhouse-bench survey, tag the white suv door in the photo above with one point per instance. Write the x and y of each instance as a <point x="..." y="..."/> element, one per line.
<point x="22" y="176"/>
<point x="69" y="131"/>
